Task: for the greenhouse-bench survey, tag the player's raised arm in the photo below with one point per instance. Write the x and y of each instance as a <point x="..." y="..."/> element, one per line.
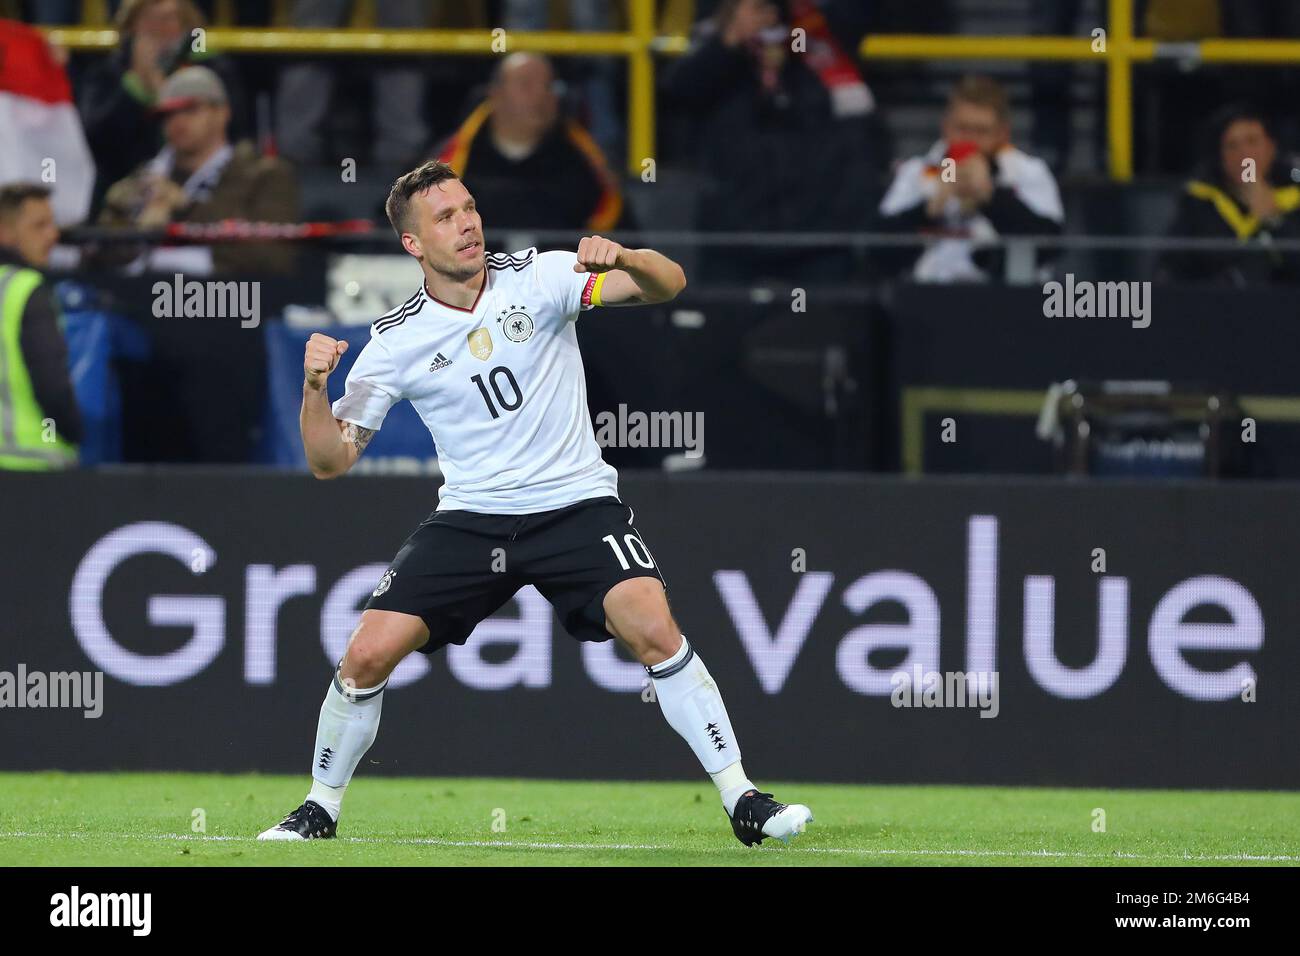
<point x="332" y="446"/>
<point x="629" y="276"/>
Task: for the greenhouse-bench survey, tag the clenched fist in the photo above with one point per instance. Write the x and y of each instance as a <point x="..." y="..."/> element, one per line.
<point x="322" y="355"/>
<point x="597" y="254"/>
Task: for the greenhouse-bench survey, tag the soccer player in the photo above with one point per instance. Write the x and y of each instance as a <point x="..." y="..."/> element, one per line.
<point x="487" y="353"/>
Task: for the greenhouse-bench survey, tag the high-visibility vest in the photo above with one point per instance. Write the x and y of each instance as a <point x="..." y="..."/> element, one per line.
<point x="29" y="441"/>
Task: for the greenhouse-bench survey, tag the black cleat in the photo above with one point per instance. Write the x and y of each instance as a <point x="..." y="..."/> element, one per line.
<point x="310" y="821"/>
<point x="758" y="816"/>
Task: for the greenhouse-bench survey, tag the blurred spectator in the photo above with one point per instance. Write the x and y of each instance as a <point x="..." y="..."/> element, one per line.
<point x="305" y="90"/>
<point x="783" y="135"/>
<point x="119" y="91"/>
<point x="200" y="177"/>
<point x="39" y="127"/>
<point x="528" y="167"/>
<point x="1273" y="88"/>
<point x="971" y="187"/>
<point x="1172" y="95"/>
<point x="1242" y="190"/>
<point x="40" y="423"/>
<point x="597" y="76"/>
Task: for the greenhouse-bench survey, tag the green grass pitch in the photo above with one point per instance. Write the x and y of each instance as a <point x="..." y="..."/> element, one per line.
<point x="152" y="820"/>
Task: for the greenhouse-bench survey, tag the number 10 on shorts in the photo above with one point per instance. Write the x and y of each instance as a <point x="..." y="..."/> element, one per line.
<point x="635" y="547"/>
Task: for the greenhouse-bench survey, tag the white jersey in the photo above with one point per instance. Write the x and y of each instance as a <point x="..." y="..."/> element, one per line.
<point x="500" y="386"/>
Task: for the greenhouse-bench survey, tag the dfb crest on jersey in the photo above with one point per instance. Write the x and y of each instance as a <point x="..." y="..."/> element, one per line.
<point x="516" y="323"/>
<point x="480" y="343"/>
<point x="384" y="583"/>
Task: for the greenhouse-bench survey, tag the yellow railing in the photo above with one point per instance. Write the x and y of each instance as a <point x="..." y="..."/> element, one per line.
<point x="639" y="45"/>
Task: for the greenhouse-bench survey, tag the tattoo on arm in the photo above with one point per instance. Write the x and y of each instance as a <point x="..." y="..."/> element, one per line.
<point x="358" y="436"/>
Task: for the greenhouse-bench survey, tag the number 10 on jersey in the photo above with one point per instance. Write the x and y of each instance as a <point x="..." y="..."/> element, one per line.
<point x="494" y="379"/>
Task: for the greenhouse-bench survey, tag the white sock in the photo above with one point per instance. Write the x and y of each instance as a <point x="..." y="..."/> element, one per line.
<point x="693" y="707"/>
<point x="349" y="723"/>
<point x="732" y="785"/>
<point x="331" y="798"/>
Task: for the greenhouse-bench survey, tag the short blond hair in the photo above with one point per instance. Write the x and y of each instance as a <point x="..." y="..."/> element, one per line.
<point x="982" y="91"/>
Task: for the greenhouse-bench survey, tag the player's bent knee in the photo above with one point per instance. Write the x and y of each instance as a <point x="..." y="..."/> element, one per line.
<point x="653" y="639"/>
<point x="378" y="645"/>
<point x="664" y="638"/>
<point x="364" y="663"/>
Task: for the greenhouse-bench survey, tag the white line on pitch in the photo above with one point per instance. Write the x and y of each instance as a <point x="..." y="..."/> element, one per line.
<point x="850" y="851"/>
<point x="431" y="841"/>
<point x="1054" y="854"/>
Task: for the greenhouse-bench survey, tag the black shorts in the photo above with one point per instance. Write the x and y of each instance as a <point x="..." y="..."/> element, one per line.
<point x="460" y="566"/>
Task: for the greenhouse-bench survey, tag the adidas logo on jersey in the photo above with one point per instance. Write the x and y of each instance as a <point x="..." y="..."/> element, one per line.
<point x="440" y="362"/>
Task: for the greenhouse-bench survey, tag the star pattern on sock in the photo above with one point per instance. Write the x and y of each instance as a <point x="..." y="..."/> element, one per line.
<point x="715" y="736"/>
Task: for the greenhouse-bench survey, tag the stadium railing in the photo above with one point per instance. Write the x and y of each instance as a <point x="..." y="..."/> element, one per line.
<point x="1019" y="269"/>
<point x="1118" y="50"/>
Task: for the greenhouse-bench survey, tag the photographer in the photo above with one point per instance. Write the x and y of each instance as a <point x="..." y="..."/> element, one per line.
<point x="120" y="91"/>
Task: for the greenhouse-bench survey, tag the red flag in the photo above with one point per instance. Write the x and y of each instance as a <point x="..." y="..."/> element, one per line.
<point x="41" y="138"/>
